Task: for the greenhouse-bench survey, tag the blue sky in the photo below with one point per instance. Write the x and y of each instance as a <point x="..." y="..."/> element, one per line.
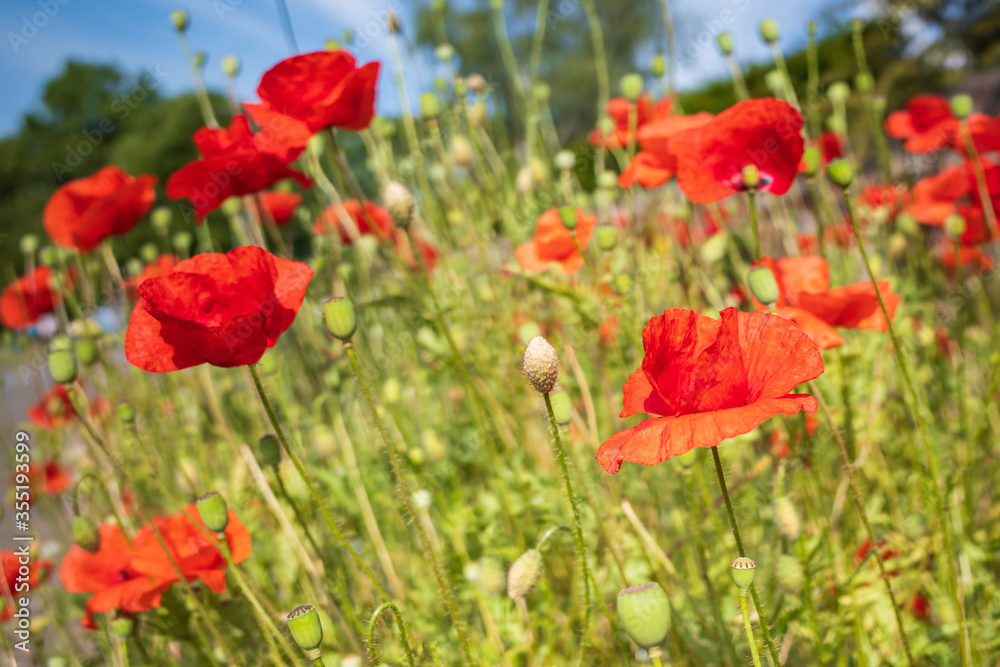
<point x="137" y="34"/>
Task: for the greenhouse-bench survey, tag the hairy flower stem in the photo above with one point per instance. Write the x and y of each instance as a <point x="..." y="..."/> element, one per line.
<point x="273" y="418"/>
<point x="929" y="455"/>
<point x="863" y="513"/>
<point x="749" y="629"/>
<point x="397" y="468"/>
<point x="721" y="474"/>
<point x="376" y="656"/>
<point x="581" y="547"/>
<point x="739" y="83"/>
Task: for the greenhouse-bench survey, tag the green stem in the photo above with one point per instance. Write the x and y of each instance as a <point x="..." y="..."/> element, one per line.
<point x="199" y="85"/>
<point x="739" y="83"/>
<point x="779" y="60"/>
<point x="600" y="60"/>
<point x="373" y="646"/>
<point x="752" y="203"/>
<point x="749" y="629"/>
<point x="981" y="186"/>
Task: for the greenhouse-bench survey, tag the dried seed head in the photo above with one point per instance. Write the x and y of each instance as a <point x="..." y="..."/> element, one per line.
<point x="541" y="365"/>
<point x="524" y="574"/>
<point x="786" y="518"/>
<point x="399" y="202"/>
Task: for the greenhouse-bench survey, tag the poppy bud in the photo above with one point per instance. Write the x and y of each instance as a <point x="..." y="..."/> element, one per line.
<point x="47" y="256"/>
<point x="85" y="534"/>
<point x="444" y="52"/>
<point x="644" y="611"/>
<point x="659" y="66"/>
<point x="416" y="456"/>
<point x="340" y="317"/>
<point x="122" y="627"/>
<point x="161" y="217"/>
<point x="838" y="91"/>
<point x="133" y="266"/>
<point x="231" y="206"/>
<point x="837" y="123"/>
<point x="126" y="414"/>
<point x="907" y="224"/>
<point x="460" y="87"/>
<point x="786" y="518"/>
<point x="810" y="158"/>
<point x="751" y="177"/>
<point x="62" y="365"/>
<point x="213" y="512"/>
<point x="631" y="86"/>
<point x="607" y="237"/>
<point x="714" y="248"/>
<point x="332" y="45"/>
<point x="86" y="351"/>
<point x="775" y="81"/>
<point x="840" y="172"/>
<point x="306" y="629"/>
<point x="148" y="252"/>
<point x="769" y="30"/>
<point x="524" y="574"/>
<point x="568" y="216"/>
<point x="231" y="66"/>
<point x="399" y="202"/>
<point x="200" y="59"/>
<point x="565" y="160"/>
<point x="743" y="571"/>
<point x="29" y="244"/>
<point x="179" y="18"/>
<point x="541" y="365"/>
<point x="811" y="28"/>
<point x="430" y="105"/>
<point x="961" y="106"/>
<point x="607" y="180"/>
<point x="562" y="407"/>
<point x="181" y="242"/>
<point x="863" y="82"/>
<point x="954" y="225"/>
<point x="270" y="450"/>
<point x="763" y="285"/>
<point x="725" y="43"/>
<point x="790" y="574"/>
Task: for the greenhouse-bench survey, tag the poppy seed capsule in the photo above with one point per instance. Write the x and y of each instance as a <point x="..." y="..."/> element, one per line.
<point x="961" y="106"/>
<point x="751" y="177"/>
<point x="161" y="217"/>
<point x="838" y="91"/>
<point x="524" y="574"/>
<point x="763" y="286"/>
<point x="644" y="611"/>
<point x="786" y="518"/>
<point x="775" y="81"/>
<point x="231" y="65"/>
<point x="840" y="172"/>
<point x="399" y="202"/>
<point x="179" y="18"/>
<point x="769" y="30"/>
<point x="181" y="242"/>
<point x="306" y="629"/>
<point x="743" y="572"/>
<point x="122" y="627"/>
<point x="62" y="366"/>
<point x="430" y="105"/>
<point x="444" y="52"/>
<point x="86" y="351"/>
<point x="725" y="42"/>
<point x="126" y="414"/>
<point x="213" y="512"/>
<point x="659" y="66"/>
<point x="270" y="450"/>
<point x="29" y="244"/>
<point x="85" y="534"/>
<point x="810" y="158"/>
<point x="631" y="86"/>
<point x="954" y="225"/>
<point x="541" y="364"/>
<point x="607" y="237"/>
<point x="340" y="317"/>
<point x="565" y="160"/>
<point x="568" y="216"/>
<point x="200" y="59"/>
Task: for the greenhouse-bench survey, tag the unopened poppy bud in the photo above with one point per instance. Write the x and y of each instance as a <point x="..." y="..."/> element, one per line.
<point x="743" y="572"/>
<point x="568" y="216"/>
<point x="213" y="512"/>
<point x="838" y="91"/>
<point x="47" y="256"/>
<point x="29" y="244"/>
<point x="954" y="225"/>
<point x="86" y="351"/>
<point x="810" y="158"/>
<point x="444" y="52"/>
<point x="714" y="248"/>
<point x="126" y="414"/>
<point x="416" y="456"/>
<point x="864" y="82"/>
<point x="85" y="534"/>
<point x="122" y="627"/>
<point x="181" y="242"/>
<point x="763" y="285"/>
<point x="148" y="252"/>
<point x="133" y="266"/>
<point x="769" y="30"/>
<point x="607" y="237"/>
<point x="399" y="202"/>
<point x="541" y="365"/>
<point x="562" y="407"/>
<point x="751" y="176"/>
<point x="725" y="43"/>
<point x="340" y="317"/>
<point x="524" y="574"/>
<point x="644" y="611"/>
<point x="786" y="518"/>
<point x="775" y="81"/>
<point x="658" y="66"/>
<point x="270" y="450"/>
<point x="791" y="577"/>
<point x="231" y="66"/>
<point x="607" y="180"/>
<point x="430" y="105"/>
<point x="200" y="58"/>
<point x="565" y="160"/>
<point x="179" y="18"/>
<point x="161" y="217"/>
<point x="631" y="86"/>
<point x="62" y="365"/>
<point x="840" y="172"/>
<point x="460" y="87"/>
<point x="907" y="224"/>
<point x="306" y="629"/>
<point x="332" y="45"/>
<point x="961" y="106"/>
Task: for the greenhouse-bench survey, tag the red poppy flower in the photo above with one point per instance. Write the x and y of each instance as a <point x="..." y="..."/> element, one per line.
<point x="54" y="410"/>
<point x="86" y="211"/>
<point x="937" y="197"/>
<point x="51" y="478"/>
<point x="708" y="380"/>
<point x="553" y="244"/>
<point x="111" y="578"/>
<point x="805" y="297"/>
<point x="160" y="266"/>
<point x="280" y="206"/>
<point x="761" y="132"/>
<point x="967" y="255"/>
<point x="224" y="310"/>
<point x="927" y="124"/>
<point x="280" y="135"/>
<point x="830" y="148"/>
<point x="330" y="220"/>
<point x="10" y="564"/>
<point x="235" y="162"/>
<point x="405" y="251"/>
<point x="879" y="197"/>
<point x="28" y="298"/>
<point x="654" y="165"/>
<point x="619" y="111"/>
<point x="322" y="89"/>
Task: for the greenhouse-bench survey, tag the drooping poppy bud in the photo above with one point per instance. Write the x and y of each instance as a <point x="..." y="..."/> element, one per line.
<point x="270" y="450"/>
<point x="213" y="511"/>
<point x="631" y="86"/>
<point x="85" y="534"/>
<point x="763" y="285"/>
<point x="838" y="92"/>
<point x="840" y="172"/>
<point x="524" y="574"/>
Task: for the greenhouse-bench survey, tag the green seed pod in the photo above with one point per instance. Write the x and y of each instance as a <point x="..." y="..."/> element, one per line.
<point x="763" y="286"/>
<point x="332" y="45"/>
<point x="838" y="92"/>
<point x="86" y="351"/>
<point x="181" y="242"/>
<point x="607" y="180"/>
<point x="811" y="159"/>
<point x="659" y="66"/>
<point x="200" y="59"/>
<point x="725" y="42"/>
<point x="430" y="105"/>
<point x="179" y="18"/>
<point x="562" y="407"/>
<point x="863" y="82"/>
<point x="775" y="81"/>
<point x="954" y="225"/>
<point x="743" y="572"/>
<point x="47" y="256"/>
<point x="837" y="123"/>
<point x="786" y="518"/>
<point x="161" y="217"/>
<point x="29" y="244"/>
<point x="907" y="224"/>
<point x="149" y="252"/>
<point x="714" y="248"/>
<point x="306" y="629"/>
<point x="416" y="456"/>
<point x="568" y="216"/>
<point x="840" y="172"/>
<point x="122" y="627"/>
<point x="270" y="451"/>
<point x="340" y="317"/>
<point x="541" y="365"/>
<point x="231" y="66"/>
<point x="751" y="176"/>
<point x="524" y="574"/>
<point x="85" y="534"/>
<point x="644" y="611"/>
<point x="769" y="30"/>
<point x="126" y="414"/>
<point x="213" y="512"/>
<point x="62" y="366"/>
<point x="565" y="160"/>
<point x="607" y="237"/>
<point x="791" y="576"/>
<point x="460" y="87"/>
<point x="631" y="86"/>
<point x="444" y="52"/>
<point x="961" y="106"/>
